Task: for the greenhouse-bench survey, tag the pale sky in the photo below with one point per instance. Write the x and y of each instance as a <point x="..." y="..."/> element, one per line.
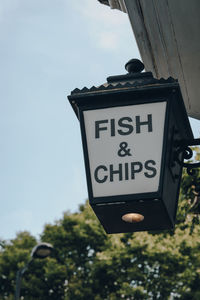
<point x="48" y="48"/>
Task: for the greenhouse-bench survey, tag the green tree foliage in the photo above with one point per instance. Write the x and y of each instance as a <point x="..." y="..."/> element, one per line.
<point x="89" y="264"/>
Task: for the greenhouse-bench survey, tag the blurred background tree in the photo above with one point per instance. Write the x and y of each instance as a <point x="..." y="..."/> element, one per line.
<point x="89" y="264"/>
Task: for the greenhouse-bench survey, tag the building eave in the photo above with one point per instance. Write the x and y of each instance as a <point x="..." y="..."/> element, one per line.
<point x="167" y="34"/>
<point x="114" y="4"/>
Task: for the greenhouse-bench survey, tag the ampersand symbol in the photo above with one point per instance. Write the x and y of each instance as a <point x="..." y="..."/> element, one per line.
<point x="123" y="151"/>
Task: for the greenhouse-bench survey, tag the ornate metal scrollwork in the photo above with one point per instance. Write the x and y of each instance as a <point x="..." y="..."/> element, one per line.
<point x="184" y="148"/>
<point x="185" y="152"/>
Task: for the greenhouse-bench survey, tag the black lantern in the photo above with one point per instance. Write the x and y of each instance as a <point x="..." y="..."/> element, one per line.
<point x="132" y="128"/>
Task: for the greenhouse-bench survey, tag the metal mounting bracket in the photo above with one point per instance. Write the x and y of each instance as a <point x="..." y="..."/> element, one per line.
<point x="184" y="147"/>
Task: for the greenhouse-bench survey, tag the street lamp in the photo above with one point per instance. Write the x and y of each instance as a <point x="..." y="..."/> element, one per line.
<point x="42" y="250"/>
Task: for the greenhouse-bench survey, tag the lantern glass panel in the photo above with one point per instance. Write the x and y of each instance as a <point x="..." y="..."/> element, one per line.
<point x="125" y="148"/>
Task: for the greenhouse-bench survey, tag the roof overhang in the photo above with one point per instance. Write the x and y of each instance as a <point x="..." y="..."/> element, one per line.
<point x="114" y="4"/>
<point x="167" y="34"/>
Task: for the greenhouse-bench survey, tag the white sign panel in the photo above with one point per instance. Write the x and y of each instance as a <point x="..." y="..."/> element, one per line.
<point x="124" y="148"/>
